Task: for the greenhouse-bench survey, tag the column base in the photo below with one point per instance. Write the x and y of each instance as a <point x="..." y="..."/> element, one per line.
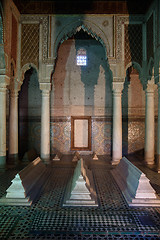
<point x="46" y="161"/>
<point x="115" y="161"/>
<point x="158" y="162"/>
<point x="13" y="159"/>
<point x="2" y="162"/>
<point x="45" y="158"/>
<point x="149" y="161"/>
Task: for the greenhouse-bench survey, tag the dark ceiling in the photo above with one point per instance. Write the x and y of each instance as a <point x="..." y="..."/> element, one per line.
<point x="82" y="7"/>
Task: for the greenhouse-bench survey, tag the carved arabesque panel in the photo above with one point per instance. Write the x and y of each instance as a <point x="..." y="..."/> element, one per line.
<point x="119" y="22"/>
<point x="150" y="38"/>
<point x="30" y="44"/>
<point x="135" y="23"/>
<point x="42" y="23"/>
<point x="133" y="43"/>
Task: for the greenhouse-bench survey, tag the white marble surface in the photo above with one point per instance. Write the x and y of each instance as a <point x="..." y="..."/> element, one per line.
<point x="134" y="184"/>
<point x="81" y="192"/>
<point x="26" y="185"/>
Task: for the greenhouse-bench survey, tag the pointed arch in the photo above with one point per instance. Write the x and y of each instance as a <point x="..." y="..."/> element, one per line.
<point x="157" y="65"/>
<point x="136" y="66"/>
<point x="25" y="68"/>
<point x="150" y="67"/>
<point x="87" y="26"/>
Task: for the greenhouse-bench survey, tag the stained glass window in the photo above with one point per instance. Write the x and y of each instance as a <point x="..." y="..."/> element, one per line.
<point x="81" y="57"/>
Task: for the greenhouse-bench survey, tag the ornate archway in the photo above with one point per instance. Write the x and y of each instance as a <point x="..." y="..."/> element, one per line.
<point x="91" y="28"/>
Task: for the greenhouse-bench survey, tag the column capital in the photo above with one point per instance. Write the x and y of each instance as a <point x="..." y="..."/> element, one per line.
<point x="117" y="87"/>
<point x="119" y="79"/>
<point x="3" y="87"/>
<point x="13" y="93"/>
<point x="151" y="87"/>
<point x="14" y="85"/>
<point x="45" y="87"/>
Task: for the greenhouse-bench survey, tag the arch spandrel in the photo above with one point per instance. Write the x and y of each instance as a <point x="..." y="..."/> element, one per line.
<point x="72" y="28"/>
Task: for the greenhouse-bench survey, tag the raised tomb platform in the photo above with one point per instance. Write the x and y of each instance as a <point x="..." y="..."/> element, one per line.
<point x="134" y="185"/>
<point x="81" y="189"/>
<point x="26" y="185"/>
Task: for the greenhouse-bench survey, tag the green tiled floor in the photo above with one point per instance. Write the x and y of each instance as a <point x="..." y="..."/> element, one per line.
<point x="47" y="219"/>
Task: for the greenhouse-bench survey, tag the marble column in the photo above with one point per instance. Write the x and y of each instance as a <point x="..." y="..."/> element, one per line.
<point x="117" y="122"/>
<point x="2" y="127"/>
<point x="13" y="126"/>
<point x="158" y="131"/>
<point x="149" y="124"/>
<point x="45" y="126"/>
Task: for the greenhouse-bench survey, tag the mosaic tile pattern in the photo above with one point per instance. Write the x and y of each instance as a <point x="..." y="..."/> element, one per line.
<point x="47" y="219"/>
<point x="133" y="136"/>
<point x="101" y="137"/>
<point x="136" y="136"/>
<point x="7" y="223"/>
<point x="60" y="136"/>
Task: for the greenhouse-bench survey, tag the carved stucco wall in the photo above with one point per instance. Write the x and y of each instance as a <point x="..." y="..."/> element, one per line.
<point x="67" y="98"/>
<point x="100" y="27"/>
<point x="81" y="90"/>
<point x="68" y="91"/>
<point x="30" y="44"/>
<point x="11" y="17"/>
<point x="2" y="56"/>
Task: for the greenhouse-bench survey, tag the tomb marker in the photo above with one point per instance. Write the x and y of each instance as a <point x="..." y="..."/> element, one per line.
<point x="134" y="185"/>
<point x="81" y="190"/>
<point x="26" y="185"/>
<point x="95" y="156"/>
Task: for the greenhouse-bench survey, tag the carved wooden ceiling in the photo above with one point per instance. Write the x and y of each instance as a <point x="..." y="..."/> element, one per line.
<point x="80" y="7"/>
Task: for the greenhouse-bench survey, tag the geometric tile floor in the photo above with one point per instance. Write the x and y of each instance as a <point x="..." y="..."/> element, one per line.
<point x="48" y="219"/>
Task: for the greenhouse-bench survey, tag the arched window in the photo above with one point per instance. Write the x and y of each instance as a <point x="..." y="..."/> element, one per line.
<point x="81" y="57"/>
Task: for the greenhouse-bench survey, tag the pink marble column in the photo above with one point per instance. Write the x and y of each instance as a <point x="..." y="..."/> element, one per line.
<point x="158" y="132"/>
<point x="45" y="126"/>
<point x="149" y="124"/>
<point x="2" y="127"/>
<point x="13" y="126"/>
<point x="117" y="122"/>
